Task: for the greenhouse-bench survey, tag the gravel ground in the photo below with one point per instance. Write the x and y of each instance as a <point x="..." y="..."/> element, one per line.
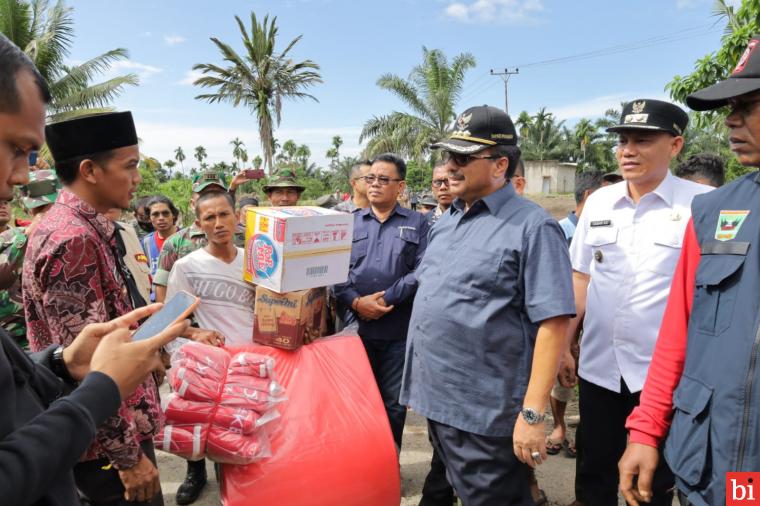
<point x="555" y="476"/>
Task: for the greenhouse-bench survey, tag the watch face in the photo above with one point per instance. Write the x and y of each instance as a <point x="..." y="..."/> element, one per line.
<point x="530" y="416"/>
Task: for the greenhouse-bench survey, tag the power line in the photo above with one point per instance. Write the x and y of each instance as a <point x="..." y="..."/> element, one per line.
<point x="505" y="75"/>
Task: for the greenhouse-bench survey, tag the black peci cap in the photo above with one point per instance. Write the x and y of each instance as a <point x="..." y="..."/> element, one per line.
<point x="744" y="79"/>
<point x="90" y="134"/>
<point x="478" y="128"/>
<point x="648" y="114"/>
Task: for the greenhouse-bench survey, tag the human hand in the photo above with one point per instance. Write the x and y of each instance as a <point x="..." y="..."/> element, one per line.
<point x="369" y="307"/>
<point x="566" y="374"/>
<point x="637" y="465"/>
<point x="209" y="337"/>
<point x="128" y="362"/>
<point x="528" y="439"/>
<point x="141" y="482"/>
<point x="78" y="354"/>
<point x="237" y="180"/>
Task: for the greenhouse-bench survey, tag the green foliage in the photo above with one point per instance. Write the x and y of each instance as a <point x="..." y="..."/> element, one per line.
<point x="261" y="79"/>
<point x="46" y="34"/>
<point x="431" y="92"/>
<point x="419" y="175"/>
<point x="179" y="189"/>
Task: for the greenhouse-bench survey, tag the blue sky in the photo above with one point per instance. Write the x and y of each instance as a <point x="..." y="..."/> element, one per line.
<point x="355" y="42"/>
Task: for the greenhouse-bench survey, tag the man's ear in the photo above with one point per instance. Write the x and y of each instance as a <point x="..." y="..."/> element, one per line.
<point x="500" y="168"/>
<point x="401" y="186"/>
<point x="88" y="170"/>
<point x="676" y="146"/>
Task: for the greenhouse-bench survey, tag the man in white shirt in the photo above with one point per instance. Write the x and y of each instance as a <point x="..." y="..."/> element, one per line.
<point x="214" y="273"/>
<point x="624" y="252"/>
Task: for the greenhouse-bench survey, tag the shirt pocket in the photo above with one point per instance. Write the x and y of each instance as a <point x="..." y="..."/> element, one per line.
<point x="665" y="251"/>
<point x="476" y="276"/>
<point x="688" y="442"/>
<point x="603" y="244"/>
<point x="359" y="247"/>
<point x="405" y="246"/>
<point x="716" y="286"/>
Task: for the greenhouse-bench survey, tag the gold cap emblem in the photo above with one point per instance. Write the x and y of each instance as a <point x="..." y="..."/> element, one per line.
<point x="638" y="107"/>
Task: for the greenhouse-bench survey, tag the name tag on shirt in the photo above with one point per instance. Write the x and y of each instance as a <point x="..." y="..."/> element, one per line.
<point x="601" y="223"/>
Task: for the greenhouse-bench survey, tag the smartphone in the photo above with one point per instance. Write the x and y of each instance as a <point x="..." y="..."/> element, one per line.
<point x="254" y="173"/>
<point x="175" y="309"/>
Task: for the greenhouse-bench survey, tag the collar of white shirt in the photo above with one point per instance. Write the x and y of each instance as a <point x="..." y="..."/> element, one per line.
<point x="664" y="191"/>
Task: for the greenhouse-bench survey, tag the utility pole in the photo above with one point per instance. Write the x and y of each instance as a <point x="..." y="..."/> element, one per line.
<point x="505" y="77"/>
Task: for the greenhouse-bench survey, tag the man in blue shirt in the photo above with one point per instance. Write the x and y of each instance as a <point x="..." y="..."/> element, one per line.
<point x="494" y="299"/>
<point x="389" y="241"/>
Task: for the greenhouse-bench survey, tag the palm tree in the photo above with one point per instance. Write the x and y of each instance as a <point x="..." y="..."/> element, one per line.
<point x="431" y="92"/>
<point x="179" y="155"/>
<point x="261" y="79"/>
<point x="200" y="155"/>
<point x="46" y="35"/>
<point x="543" y="138"/>
<point x="523" y="123"/>
<point x="334" y="152"/>
<point x="257" y="161"/>
<point x="237" y="149"/>
<point x="585" y="133"/>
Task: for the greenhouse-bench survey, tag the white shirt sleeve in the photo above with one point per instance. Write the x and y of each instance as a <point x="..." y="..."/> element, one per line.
<point x="580" y="252"/>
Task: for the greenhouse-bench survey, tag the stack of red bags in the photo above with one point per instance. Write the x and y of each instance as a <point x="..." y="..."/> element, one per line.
<point x="220" y="405"/>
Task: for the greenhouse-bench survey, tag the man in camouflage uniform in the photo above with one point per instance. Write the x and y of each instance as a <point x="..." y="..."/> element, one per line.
<point x="37" y="197"/>
<point x="284" y="189"/>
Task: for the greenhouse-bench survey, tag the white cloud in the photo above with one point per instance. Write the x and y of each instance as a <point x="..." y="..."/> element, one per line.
<point x="159" y="140"/>
<point x="143" y="71"/>
<point x="190" y="77"/>
<point x="596" y="106"/>
<point x="495" y="11"/>
<point x="173" y="39"/>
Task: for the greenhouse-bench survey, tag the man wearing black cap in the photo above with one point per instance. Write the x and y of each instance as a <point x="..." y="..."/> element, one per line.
<point x="74" y="275"/>
<point x="701" y="395"/>
<point x="489" y="318"/>
<point x="624" y="251"/>
<point x="53" y="404"/>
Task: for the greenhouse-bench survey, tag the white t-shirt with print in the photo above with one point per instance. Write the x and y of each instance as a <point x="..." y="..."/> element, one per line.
<point x="226" y="300"/>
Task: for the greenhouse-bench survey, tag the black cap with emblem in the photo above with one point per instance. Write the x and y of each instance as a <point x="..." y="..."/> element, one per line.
<point x="479" y="128"/>
<point x="649" y="114"/>
<point x="745" y="78"/>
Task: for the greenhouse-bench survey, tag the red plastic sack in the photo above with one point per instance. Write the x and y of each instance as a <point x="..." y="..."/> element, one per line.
<point x="179" y="411"/>
<point x="237" y="420"/>
<point x="187" y="441"/>
<point x="332" y="445"/>
<point x="230" y="448"/>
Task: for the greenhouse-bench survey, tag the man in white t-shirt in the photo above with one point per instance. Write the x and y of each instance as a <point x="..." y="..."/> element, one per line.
<point x="214" y="273"/>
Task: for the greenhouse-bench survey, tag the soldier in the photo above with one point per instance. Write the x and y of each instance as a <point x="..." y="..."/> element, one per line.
<point x="284" y="189"/>
<point x="427" y="203"/>
<point x="37" y="197"/>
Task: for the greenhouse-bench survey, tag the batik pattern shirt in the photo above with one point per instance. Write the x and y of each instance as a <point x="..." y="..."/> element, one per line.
<point x="12" y="248"/>
<point x="71" y="278"/>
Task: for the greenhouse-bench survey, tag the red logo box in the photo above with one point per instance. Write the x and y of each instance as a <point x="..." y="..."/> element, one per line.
<point x="742" y="489"/>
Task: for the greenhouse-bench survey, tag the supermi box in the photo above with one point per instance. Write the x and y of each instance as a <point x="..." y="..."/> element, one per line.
<point x="296" y="248"/>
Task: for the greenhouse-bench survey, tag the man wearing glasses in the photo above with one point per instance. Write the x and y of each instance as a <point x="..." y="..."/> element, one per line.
<point x="441" y="192"/>
<point x="494" y="299"/>
<point x="389" y="241"/>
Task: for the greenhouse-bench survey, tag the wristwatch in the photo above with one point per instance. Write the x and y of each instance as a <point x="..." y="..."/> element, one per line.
<point x="531" y="416"/>
<point x="58" y="366"/>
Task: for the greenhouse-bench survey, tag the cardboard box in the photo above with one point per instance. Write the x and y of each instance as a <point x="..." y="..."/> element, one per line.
<point x="296" y="248"/>
<point x="289" y="320"/>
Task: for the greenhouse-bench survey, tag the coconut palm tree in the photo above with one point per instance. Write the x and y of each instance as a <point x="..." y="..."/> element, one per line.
<point x="543" y="138"/>
<point x="200" y="155"/>
<point x="179" y="155"/>
<point x="237" y="149"/>
<point x="260" y="79"/>
<point x="431" y="93"/>
<point x="45" y="33"/>
<point x="170" y="164"/>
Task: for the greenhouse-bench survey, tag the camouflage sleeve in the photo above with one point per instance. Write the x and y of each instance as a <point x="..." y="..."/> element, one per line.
<point x="166" y="261"/>
<point x="12" y="249"/>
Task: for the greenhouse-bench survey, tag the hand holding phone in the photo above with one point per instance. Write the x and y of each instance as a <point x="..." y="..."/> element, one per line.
<point x="176" y="309"/>
<point x="254" y="174"/>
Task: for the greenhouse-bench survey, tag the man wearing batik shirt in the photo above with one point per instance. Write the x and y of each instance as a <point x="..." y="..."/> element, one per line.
<point x="37" y="197"/>
<point x="73" y="276"/>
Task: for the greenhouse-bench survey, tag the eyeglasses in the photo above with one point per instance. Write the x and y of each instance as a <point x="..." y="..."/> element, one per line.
<point x="744" y="108"/>
<point x="382" y="180"/>
<point x="463" y="160"/>
<point x="437" y="183"/>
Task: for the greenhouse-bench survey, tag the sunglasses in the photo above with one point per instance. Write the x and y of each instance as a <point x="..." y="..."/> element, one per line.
<point x="464" y="160"/>
<point x="382" y="180"/>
